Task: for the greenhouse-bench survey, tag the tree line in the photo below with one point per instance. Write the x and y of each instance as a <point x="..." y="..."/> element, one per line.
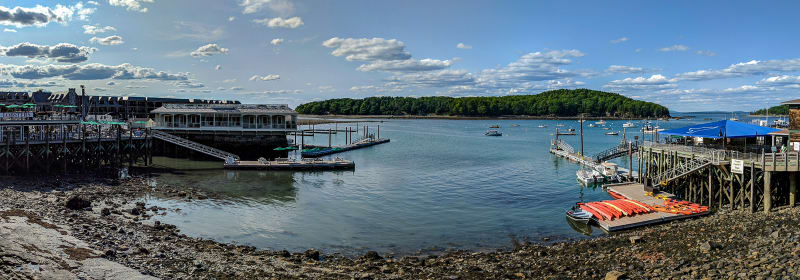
<point x="774" y="110"/>
<point x="556" y="103"/>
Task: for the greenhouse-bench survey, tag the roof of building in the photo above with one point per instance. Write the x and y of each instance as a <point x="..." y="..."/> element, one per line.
<point x="225" y="108"/>
<point x="720" y="129"/>
<point x="784" y="132"/>
<point x="791" y="102"/>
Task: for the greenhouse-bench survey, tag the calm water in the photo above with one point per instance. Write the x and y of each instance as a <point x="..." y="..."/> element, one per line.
<point x="439" y="184"/>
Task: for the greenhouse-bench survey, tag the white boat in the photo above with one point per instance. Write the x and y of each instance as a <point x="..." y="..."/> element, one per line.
<point x="542" y="126"/>
<point x="591" y="125"/>
<point x="560" y="125"/>
<point x="606" y="128"/>
<point x="612" y="133"/>
<point x="628" y="125"/>
<point x="493" y="133"/>
<point x="601" y="122"/>
<point x="651" y="129"/>
<point x="578" y="214"/>
<point x="588" y="177"/>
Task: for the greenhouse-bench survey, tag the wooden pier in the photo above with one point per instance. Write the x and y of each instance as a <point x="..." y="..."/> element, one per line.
<point x="635" y="191"/>
<point x="286" y="164"/>
<point x="324" y="151"/>
<point x="561" y="149"/>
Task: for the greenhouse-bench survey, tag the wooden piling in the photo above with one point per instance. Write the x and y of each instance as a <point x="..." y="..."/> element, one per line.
<point x="792" y="188"/>
<point x="767" y="191"/>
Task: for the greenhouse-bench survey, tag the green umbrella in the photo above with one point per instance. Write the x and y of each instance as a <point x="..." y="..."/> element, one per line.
<point x="70" y="106"/>
<point x="28" y="104"/>
<point x="141" y="122"/>
<point x="279" y="149"/>
<point x="13" y="106"/>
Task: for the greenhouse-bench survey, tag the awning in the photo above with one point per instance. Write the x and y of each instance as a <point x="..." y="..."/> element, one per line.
<point x="720" y="129"/>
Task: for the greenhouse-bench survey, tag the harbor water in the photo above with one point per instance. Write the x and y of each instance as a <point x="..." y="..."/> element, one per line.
<point x="438" y="185"/>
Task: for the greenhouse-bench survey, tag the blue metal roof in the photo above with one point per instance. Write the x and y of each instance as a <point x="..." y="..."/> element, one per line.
<point x="720" y="129"/>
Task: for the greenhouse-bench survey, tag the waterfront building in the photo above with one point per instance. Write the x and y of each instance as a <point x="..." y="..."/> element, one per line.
<point x="243" y="129"/>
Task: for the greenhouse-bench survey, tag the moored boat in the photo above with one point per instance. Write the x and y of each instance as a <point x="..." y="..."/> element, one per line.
<point x="578" y="214"/>
<point x="493" y="133"/>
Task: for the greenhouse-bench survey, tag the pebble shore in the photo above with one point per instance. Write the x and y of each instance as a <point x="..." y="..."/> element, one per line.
<point x="95" y="229"/>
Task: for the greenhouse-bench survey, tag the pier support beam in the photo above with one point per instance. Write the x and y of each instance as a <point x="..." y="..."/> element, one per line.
<point x="767" y="191"/>
<point x="792" y="188"/>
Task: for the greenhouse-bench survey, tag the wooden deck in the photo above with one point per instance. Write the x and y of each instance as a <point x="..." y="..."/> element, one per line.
<point x="293" y="165"/>
<point x="635" y="191"/>
<point x="339" y="149"/>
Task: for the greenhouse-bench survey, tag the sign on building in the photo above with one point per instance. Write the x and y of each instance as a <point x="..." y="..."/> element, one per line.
<point x="737" y="166"/>
<point x="16" y="115"/>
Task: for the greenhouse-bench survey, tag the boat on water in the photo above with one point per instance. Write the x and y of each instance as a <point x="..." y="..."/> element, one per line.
<point x="612" y="133"/>
<point x="578" y="214"/>
<point x="560" y="125"/>
<point x="628" y="125"/>
<point x="606" y="128"/>
<point x="493" y="133"/>
<point x="588" y="177"/>
<point x="494" y="126"/>
<point x="542" y="126"/>
<point x="600" y="122"/>
<point x="514" y="125"/>
<point x="591" y="125"/>
<point x="570" y="129"/>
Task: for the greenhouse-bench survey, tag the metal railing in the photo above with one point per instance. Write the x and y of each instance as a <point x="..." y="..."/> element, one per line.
<point x="189" y="144"/>
<point x="713" y="154"/>
<point x="561" y="145"/>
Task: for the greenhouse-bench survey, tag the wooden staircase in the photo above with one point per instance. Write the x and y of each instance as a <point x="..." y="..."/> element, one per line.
<point x="186" y="143"/>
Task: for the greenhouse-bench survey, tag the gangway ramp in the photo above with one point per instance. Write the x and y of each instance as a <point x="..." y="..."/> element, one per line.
<point x="682" y="169"/>
<point x="189" y="144"/>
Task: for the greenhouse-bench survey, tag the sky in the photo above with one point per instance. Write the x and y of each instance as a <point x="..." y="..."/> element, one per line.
<point x="686" y="55"/>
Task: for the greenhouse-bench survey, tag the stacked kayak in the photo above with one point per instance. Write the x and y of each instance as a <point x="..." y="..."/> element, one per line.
<point x="615" y="209"/>
<point x="680" y="207"/>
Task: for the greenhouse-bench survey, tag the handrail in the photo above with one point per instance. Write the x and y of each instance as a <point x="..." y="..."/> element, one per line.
<point x="189" y="144"/>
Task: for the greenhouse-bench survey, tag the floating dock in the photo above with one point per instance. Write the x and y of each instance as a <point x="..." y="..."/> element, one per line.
<point x="585" y="161"/>
<point x="286" y="164"/>
<point x="324" y="151"/>
<point x="635" y="191"/>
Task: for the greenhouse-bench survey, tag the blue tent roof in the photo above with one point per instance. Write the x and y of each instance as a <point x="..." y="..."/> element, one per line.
<point x="720" y="129"/>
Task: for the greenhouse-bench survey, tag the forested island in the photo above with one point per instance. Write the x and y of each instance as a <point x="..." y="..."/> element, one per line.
<point x="554" y="103"/>
<point x="774" y="110"/>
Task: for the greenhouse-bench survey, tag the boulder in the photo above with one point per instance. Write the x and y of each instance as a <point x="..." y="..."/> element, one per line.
<point x="615" y="275"/>
<point x="78" y="203"/>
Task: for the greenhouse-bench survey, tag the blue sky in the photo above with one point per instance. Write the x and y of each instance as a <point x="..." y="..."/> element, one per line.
<point x="686" y="55"/>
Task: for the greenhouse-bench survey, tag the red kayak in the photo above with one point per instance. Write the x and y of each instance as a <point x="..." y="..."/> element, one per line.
<point x="590" y="210"/>
<point x="608" y="209"/>
<point x="615" y="195"/>
<point x="606" y="215"/>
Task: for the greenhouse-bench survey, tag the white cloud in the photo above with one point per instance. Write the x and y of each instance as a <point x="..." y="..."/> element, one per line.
<point x="705" y="52"/>
<point x="92" y="71"/>
<point x="674" y="48"/>
<point x="41" y="16"/>
<point x="219" y="67"/>
<point x="27" y="84"/>
<point x="367" y="49"/>
<point x="99" y="89"/>
<point x="231" y="19"/>
<point x="626" y="69"/>
<point x="409" y="65"/>
<point x="93" y="3"/>
<point x="744" y="69"/>
<point x="209" y="50"/>
<point x="780" y="80"/>
<point x="9" y="30"/>
<point x="196" y="31"/>
<point x="463" y="47"/>
<point x="229" y="81"/>
<point x="619" y="40"/>
<point x="276" y="41"/>
<point x="327" y="88"/>
<point x="189" y="84"/>
<point x="108" y="41"/>
<point x="538" y="66"/>
<point x="270" y="77"/>
<point x="131" y="5"/>
<point x="291" y="23"/>
<point x="62" y="52"/>
<point x="111" y="83"/>
<point x="237" y="88"/>
<point x="656" y="81"/>
<point x="95" y="29"/>
<point x="282" y="7"/>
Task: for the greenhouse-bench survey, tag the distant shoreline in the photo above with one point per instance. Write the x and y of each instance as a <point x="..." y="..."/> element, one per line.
<point x="462" y="117"/>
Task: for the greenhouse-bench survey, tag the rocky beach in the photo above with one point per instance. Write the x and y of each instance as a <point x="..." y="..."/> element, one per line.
<point x="68" y="227"/>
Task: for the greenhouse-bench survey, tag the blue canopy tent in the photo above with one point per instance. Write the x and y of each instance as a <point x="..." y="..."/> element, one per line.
<point x="721" y="129"/>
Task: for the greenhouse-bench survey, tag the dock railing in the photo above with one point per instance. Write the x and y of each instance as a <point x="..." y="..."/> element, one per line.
<point x="788" y="160"/>
<point x="714" y="155"/>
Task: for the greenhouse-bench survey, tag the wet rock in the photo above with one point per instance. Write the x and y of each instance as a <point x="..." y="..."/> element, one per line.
<point x="78" y="203"/>
<point x="615" y="275"/>
<point x="372" y="255"/>
<point x="312" y="254"/>
<point x="135" y="211"/>
<point x="109" y="253"/>
<point x="706" y="246"/>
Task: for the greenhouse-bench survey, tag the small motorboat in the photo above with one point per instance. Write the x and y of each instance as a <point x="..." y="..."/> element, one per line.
<point x="591" y="125"/>
<point x="560" y="125"/>
<point x="612" y="133"/>
<point x="494" y="126"/>
<point x="606" y="128"/>
<point x="493" y="133"/>
<point x="588" y="177"/>
<point x="542" y="126"/>
<point x="601" y="122"/>
<point x="578" y="214"/>
<point x="514" y="125"/>
<point x="570" y="129"/>
<point x="628" y="125"/>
